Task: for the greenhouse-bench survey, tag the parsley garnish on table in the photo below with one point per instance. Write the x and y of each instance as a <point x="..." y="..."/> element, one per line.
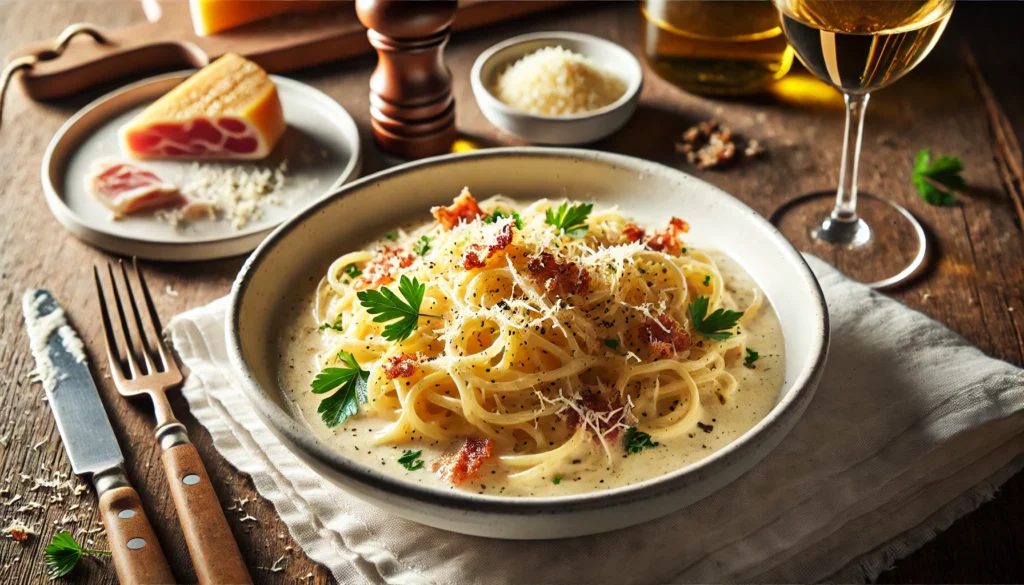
<point x="637" y="441"/>
<point x="63" y="553"/>
<point x="411" y="460"/>
<point x="570" y="220"/>
<point x="716" y="325"/>
<point x="404" y="316"/>
<point x="350" y="385"/>
<point x="937" y="181"/>
<point x="499" y="214"/>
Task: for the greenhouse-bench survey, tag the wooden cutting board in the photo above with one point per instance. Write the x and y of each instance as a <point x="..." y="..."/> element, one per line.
<point x="168" y="41"/>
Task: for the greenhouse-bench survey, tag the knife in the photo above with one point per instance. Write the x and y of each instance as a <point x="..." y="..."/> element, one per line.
<point x="90" y="442"/>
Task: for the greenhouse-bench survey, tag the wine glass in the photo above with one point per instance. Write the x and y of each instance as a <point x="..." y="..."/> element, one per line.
<point x="859" y="46"/>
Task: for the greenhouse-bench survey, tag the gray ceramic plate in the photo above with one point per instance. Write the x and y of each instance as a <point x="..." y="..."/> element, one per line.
<point x="302" y="247"/>
<point x="321" y="147"/>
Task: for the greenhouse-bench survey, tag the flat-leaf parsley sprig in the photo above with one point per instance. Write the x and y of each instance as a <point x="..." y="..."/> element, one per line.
<point x="350" y="385"/>
<point x="715" y="326"/>
<point x="404" y="316"/>
<point x="571" y="221"/>
<point x="937" y="181"/>
<point x="637" y="441"/>
<point x="411" y="460"/>
<point x="63" y="553"/>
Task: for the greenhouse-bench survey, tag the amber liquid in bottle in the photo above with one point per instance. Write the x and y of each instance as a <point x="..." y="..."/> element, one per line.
<point x="716" y="46"/>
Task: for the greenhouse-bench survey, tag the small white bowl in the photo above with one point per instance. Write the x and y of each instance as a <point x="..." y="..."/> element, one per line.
<point x="559" y="130"/>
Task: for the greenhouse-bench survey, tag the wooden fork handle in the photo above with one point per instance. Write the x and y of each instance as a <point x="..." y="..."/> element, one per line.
<point x="138" y="558"/>
<point x="211" y="544"/>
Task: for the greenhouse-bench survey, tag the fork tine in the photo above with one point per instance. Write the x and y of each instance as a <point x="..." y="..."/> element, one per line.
<point x="116" y="369"/>
<point x="133" y="365"/>
<point x="165" y="356"/>
<point x="143" y="341"/>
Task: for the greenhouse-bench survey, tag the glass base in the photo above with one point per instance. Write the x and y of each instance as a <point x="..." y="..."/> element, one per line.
<point x="883" y="247"/>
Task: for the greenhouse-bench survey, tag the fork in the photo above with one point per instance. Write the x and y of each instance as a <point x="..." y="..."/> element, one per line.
<point x="211" y="544"/>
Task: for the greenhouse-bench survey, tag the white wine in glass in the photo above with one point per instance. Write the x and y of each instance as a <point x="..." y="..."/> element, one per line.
<point x="859" y="46"/>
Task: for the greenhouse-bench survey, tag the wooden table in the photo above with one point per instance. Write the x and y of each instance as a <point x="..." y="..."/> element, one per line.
<point x="976" y="284"/>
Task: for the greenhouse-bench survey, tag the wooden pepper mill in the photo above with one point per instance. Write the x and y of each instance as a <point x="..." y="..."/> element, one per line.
<point x="411" y="106"/>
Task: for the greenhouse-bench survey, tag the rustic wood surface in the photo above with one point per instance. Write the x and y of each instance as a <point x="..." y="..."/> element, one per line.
<point x="966" y="100"/>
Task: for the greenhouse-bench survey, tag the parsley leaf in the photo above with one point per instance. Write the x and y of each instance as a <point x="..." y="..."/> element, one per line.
<point x="336" y="325"/>
<point x="556" y="480"/>
<point x="391" y="236"/>
<point x="707" y="279"/>
<point x="570" y="220"/>
<point x="350" y="383"/>
<point x="716" y="325"/>
<point x="937" y="181"/>
<point x="411" y="460"/>
<point x="637" y="441"/>
<point x="612" y="343"/>
<point x="353" y="270"/>
<point x="63" y="553"/>
<point x="499" y="214"/>
<point x="404" y="315"/>
<point x="751" y="357"/>
<point x="422" y="246"/>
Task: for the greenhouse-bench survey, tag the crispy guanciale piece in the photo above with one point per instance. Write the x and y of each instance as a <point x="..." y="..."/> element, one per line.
<point x="670" y="241"/>
<point x="664" y="337"/>
<point x="127" y="189"/>
<point x="463" y="208"/>
<point x="401" y="366"/>
<point x="229" y="110"/>
<point x="463" y="464"/>
<point x="382" y="268"/>
<point x="563" y="278"/>
<point x="633" y="232"/>
<point x="477" y="254"/>
<point x="608" y="412"/>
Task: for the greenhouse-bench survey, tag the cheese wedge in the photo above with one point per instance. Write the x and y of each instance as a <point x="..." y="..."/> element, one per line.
<point x="229" y="110"/>
<point x="213" y="16"/>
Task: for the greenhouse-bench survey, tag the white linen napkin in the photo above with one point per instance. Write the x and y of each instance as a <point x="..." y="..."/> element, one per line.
<point x="910" y="429"/>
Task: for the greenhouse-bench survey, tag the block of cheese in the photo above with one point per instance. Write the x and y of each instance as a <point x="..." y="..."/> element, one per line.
<point x="229" y="110"/>
<point x="213" y="16"/>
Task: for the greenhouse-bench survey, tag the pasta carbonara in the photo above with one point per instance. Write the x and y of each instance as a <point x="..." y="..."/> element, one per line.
<point x="536" y="340"/>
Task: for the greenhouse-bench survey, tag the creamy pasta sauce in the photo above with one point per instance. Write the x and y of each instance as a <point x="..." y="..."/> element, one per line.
<point x="720" y="424"/>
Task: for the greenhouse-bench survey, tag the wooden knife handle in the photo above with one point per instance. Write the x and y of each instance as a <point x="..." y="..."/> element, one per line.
<point x="215" y="553"/>
<point x="138" y="558"/>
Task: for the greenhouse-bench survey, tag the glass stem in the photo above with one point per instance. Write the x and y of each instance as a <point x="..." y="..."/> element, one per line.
<point x="846" y="197"/>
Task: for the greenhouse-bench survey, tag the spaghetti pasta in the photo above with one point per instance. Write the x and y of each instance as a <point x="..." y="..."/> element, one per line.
<point x="556" y="345"/>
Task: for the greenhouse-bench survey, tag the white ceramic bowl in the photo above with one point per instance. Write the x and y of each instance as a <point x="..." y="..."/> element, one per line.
<point x="303" y="247"/>
<point x="559" y="130"/>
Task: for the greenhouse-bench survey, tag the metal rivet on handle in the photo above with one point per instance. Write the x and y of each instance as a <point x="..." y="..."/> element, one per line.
<point x="126" y="514"/>
<point x="136" y="543"/>
<point x="190" y="479"/>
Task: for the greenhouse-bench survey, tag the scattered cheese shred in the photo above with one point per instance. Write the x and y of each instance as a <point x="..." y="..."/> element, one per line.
<point x="554" y="81"/>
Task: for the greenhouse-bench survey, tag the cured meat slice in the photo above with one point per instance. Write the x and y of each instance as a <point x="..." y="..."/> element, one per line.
<point x="229" y="110"/>
<point x="127" y="189"/>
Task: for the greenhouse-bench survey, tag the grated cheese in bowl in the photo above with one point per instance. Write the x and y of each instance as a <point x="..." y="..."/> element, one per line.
<point x="554" y="81"/>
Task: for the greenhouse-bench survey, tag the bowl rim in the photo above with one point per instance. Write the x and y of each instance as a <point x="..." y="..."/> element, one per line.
<point x="303" y="439"/>
<point x="482" y="93"/>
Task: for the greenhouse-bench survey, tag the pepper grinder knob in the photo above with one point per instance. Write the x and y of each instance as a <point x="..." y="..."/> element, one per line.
<point x="411" y="106"/>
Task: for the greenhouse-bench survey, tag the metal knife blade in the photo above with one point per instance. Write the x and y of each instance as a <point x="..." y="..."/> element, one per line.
<point x="61" y="366"/>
